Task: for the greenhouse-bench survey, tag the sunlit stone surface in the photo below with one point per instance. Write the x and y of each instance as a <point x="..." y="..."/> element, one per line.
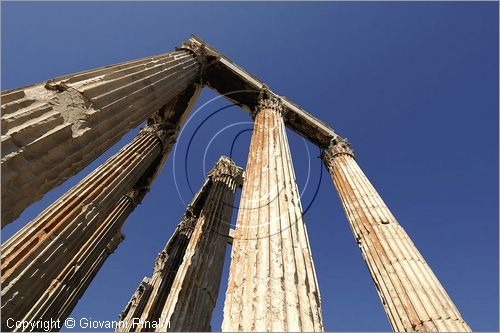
<point x="272" y="282"/>
<point x="412" y="296"/>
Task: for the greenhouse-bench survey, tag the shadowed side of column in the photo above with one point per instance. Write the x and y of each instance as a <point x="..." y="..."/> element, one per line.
<point x="191" y="301"/>
<point x="182" y="291"/>
<point x="49" y="263"/>
<point x="52" y="130"/>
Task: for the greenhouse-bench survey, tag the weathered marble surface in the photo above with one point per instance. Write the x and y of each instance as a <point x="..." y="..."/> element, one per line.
<point x="272" y="282"/>
<point x="52" y="130"/>
<point x="413" y="297"/>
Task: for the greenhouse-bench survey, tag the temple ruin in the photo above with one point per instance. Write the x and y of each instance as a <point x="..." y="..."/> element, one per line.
<point x="52" y="130"/>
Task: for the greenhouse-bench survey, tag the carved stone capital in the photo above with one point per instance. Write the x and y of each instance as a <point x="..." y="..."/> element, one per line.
<point x="266" y="100"/>
<point x="338" y="146"/>
<point x="136" y="195"/>
<point x="225" y="166"/>
<point x="114" y="242"/>
<point x="164" y="132"/>
<point x="160" y="261"/>
<point x="198" y="49"/>
<point x="188" y="222"/>
<point x="204" y="57"/>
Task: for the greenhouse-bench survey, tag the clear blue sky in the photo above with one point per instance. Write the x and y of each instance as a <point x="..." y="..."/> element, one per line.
<point x="414" y="86"/>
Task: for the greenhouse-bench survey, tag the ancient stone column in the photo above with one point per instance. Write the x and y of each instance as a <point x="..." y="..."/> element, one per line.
<point x="60" y="298"/>
<point x="34" y="256"/>
<point x="411" y="294"/>
<point x="272" y="282"/>
<point x="41" y="260"/>
<point x="57" y="302"/>
<point x="135" y="307"/>
<point x="52" y="130"/>
<point x="192" y="298"/>
<point x="188" y="269"/>
<point x="145" y="306"/>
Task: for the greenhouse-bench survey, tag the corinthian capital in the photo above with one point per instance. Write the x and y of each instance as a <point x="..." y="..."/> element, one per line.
<point x="266" y="100"/>
<point x="225" y="166"/>
<point x="338" y="146"/>
<point x="164" y="132"/>
<point x="136" y="195"/>
<point x="189" y="219"/>
<point x="205" y="56"/>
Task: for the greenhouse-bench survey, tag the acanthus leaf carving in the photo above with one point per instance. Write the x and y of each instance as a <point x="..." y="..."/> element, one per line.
<point x="338" y="146"/>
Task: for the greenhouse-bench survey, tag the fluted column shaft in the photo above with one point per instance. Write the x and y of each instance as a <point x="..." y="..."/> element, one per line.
<point x="140" y="314"/>
<point x="52" y="130"/>
<point x="192" y="298"/>
<point x="135" y="307"/>
<point x="165" y="272"/>
<point x="272" y="282"/>
<point x="78" y="232"/>
<point x="35" y="255"/>
<point x="60" y="298"/>
<point x="413" y="298"/>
